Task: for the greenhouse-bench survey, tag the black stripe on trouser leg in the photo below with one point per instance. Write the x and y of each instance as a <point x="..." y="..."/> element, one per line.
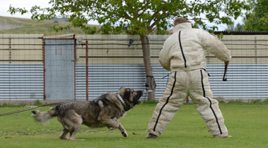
<point x="171" y="92"/>
<point x="210" y="105"/>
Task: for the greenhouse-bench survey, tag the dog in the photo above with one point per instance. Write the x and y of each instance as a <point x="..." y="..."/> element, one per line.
<point x="104" y="111"/>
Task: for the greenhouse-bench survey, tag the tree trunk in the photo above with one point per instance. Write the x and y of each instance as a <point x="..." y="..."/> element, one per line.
<point x="148" y="67"/>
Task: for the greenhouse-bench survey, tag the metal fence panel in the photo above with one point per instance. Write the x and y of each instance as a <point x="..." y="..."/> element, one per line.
<point x="249" y="82"/>
<point x="21" y="81"/>
<point x="108" y="78"/>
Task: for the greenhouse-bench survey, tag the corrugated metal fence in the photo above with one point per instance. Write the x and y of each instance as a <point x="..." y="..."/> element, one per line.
<point x="21" y="81"/>
<point x="113" y="63"/>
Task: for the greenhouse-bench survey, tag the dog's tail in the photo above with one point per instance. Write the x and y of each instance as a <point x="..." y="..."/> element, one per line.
<point x="44" y="117"/>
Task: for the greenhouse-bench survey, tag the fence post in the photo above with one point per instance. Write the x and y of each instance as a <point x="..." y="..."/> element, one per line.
<point x="10" y="50"/>
<point x="44" y="70"/>
<point x="9" y="69"/>
<point x="256" y="61"/>
<point x="74" y="67"/>
<point x="87" y="70"/>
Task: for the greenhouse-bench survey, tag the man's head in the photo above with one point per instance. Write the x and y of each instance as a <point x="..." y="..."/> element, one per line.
<point x="179" y="20"/>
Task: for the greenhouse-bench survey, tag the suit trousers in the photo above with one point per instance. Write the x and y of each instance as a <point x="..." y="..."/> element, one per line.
<point x="182" y="84"/>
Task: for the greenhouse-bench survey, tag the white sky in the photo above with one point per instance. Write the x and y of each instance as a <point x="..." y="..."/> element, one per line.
<point x="4" y="6"/>
<point x="22" y="4"/>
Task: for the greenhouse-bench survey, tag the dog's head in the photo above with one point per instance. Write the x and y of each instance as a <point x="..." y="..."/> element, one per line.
<point x="130" y="96"/>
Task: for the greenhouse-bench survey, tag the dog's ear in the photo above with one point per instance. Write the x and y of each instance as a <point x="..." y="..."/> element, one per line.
<point x="127" y="93"/>
<point x="121" y="90"/>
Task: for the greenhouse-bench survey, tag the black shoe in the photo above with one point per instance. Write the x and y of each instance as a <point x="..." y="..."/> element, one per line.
<point x="150" y="136"/>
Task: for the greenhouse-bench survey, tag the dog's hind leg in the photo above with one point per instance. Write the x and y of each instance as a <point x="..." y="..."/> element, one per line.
<point x="65" y="130"/>
<point x="64" y="133"/>
<point x="73" y="131"/>
<point x="72" y="122"/>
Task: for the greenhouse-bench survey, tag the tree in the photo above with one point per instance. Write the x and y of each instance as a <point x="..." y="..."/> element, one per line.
<point x="230" y="27"/>
<point x="257" y="19"/>
<point x="239" y="27"/>
<point x="140" y="17"/>
<point x="233" y="27"/>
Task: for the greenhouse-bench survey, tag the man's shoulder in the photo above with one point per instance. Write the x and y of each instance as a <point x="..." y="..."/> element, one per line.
<point x="199" y="30"/>
<point x="172" y="36"/>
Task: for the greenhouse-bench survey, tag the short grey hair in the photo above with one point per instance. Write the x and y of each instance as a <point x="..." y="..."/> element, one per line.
<point x="180" y="20"/>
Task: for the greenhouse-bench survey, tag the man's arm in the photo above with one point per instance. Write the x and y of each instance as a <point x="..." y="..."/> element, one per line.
<point x="215" y="46"/>
<point x="164" y="59"/>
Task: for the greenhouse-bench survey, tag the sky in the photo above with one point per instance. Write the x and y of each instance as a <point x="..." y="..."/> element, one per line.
<point x="4" y="6"/>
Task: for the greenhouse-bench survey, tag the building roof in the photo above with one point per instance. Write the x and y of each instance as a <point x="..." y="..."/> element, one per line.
<point x="242" y="32"/>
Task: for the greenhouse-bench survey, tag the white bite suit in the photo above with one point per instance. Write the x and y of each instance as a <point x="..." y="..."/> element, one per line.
<point x="184" y="54"/>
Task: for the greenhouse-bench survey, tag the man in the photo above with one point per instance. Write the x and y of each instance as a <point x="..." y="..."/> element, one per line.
<point x="184" y="54"/>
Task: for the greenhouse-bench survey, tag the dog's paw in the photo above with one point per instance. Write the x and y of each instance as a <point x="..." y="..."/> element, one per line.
<point x="63" y="138"/>
<point x="124" y="133"/>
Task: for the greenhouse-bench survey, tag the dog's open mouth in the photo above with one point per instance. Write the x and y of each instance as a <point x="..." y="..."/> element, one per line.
<point x="137" y="101"/>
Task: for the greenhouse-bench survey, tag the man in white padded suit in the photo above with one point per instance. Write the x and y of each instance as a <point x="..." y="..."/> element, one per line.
<point x="184" y="54"/>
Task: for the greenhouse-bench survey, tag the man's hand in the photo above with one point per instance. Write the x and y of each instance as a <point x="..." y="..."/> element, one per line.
<point x="225" y="70"/>
<point x="227" y="62"/>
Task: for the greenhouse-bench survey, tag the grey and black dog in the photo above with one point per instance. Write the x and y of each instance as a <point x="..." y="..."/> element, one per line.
<point x="103" y="111"/>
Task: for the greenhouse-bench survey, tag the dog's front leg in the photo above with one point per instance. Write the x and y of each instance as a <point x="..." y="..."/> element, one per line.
<point x="113" y="127"/>
<point x="110" y="123"/>
<point x="122" y="129"/>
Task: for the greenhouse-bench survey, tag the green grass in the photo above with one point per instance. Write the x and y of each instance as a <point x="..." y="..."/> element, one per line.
<point x="246" y="122"/>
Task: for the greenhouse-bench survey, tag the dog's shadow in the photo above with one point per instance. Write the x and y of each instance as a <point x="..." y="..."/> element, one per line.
<point x="99" y="139"/>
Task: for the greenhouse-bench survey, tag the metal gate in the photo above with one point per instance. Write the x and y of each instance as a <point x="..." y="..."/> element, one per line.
<point x="59" y="69"/>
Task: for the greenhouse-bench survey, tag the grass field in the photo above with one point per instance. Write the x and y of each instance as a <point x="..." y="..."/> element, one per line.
<point x="246" y="122"/>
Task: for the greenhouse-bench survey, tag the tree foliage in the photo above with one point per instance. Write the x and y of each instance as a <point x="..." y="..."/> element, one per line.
<point x="233" y="27"/>
<point x="257" y="19"/>
<point x="136" y="17"/>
